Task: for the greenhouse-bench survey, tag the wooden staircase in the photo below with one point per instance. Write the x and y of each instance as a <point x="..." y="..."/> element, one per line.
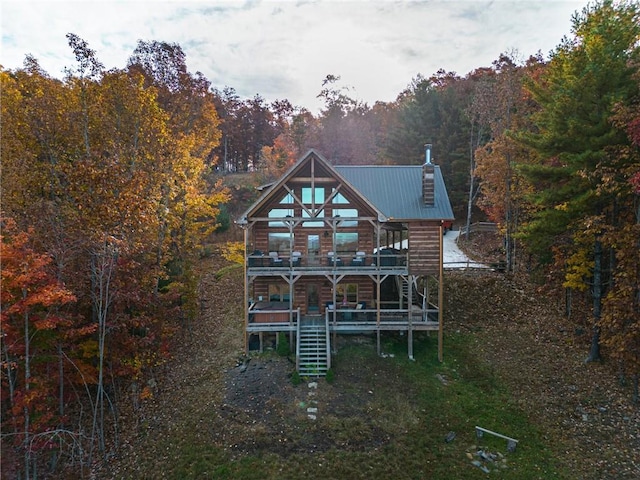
<point x="313" y="354"/>
<point x="404" y="283"/>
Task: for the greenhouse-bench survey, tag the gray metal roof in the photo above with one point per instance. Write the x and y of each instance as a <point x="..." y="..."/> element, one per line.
<point x="396" y="190"/>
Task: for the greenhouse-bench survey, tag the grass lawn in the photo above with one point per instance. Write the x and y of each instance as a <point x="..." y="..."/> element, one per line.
<point x="385" y="417"/>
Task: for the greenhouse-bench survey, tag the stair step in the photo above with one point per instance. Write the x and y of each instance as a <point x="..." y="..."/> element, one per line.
<point x="313" y="369"/>
<point x="312" y="348"/>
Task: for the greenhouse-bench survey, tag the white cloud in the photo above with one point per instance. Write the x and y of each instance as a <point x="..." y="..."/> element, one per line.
<point x="282" y="49"/>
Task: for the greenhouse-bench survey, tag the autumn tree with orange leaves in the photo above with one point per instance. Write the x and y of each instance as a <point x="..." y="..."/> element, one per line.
<point x="106" y="171"/>
<point x="32" y="325"/>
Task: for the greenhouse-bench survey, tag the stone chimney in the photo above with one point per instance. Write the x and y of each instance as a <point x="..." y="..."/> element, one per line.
<point x="428" y="188"/>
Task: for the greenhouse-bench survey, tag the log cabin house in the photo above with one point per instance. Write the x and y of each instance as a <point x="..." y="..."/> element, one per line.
<point x="332" y="250"/>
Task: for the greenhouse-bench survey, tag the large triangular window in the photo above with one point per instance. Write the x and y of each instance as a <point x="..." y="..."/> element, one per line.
<point x="339" y="199"/>
<point x="287" y="199"/>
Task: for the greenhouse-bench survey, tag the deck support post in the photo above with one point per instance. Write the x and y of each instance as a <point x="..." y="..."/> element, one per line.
<point x="440" y="299"/>
<point x="410" y="316"/>
<point x="291" y="336"/>
<point x="246" y="291"/>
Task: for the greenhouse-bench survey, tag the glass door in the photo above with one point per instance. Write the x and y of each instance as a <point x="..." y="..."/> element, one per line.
<point x="313" y="249"/>
<point x="313" y="305"/>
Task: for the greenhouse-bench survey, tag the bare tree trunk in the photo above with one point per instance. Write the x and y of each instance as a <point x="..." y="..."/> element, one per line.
<point x="102" y="270"/>
<point x="60" y="381"/>
<point x="568" y="299"/>
<point x="472" y="190"/>
<point x="27" y="388"/>
<point x="226" y="158"/>
<point x="11" y="376"/>
<point x="162" y="230"/>
<point x="508" y="237"/>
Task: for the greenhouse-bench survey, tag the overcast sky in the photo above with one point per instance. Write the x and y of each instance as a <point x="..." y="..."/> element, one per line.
<point x="284" y="49"/>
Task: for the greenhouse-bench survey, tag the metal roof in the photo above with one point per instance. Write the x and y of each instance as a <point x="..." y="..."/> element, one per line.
<point x="396" y="190"/>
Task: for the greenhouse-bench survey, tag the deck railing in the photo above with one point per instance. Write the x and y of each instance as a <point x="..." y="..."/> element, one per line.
<point x="383" y="260"/>
<point x="389" y="317"/>
<point x="479" y="227"/>
<point x="268" y="319"/>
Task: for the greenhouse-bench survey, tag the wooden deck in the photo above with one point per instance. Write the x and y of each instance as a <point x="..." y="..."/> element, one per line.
<point x="345" y="320"/>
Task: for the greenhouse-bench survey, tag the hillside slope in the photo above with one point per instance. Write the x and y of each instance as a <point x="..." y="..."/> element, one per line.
<point x="213" y="407"/>
<point x="540" y="356"/>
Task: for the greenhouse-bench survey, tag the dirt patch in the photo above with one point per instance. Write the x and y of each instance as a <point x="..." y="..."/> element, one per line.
<point x="260" y="399"/>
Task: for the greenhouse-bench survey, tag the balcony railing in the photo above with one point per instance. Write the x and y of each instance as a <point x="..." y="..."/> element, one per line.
<point x="267" y="315"/>
<point x="386" y="259"/>
<point x="271" y="316"/>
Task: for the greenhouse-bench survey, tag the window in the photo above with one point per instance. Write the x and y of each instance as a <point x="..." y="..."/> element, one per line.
<point x="346" y="242"/>
<point x="279" y="292"/>
<point x="347" y="213"/>
<point x="287" y="199"/>
<point x="318" y="223"/>
<point x="279" y="213"/>
<point x="348" y="290"/>
<point x="313" y="196"/>
<point x="280" y="242"/>
<point x="339" y="199"/>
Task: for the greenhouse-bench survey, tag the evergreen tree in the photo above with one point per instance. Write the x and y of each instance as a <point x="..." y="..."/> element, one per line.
<point x="573" y="137"/>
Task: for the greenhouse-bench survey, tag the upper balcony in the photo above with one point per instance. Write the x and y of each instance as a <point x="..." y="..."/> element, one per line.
<point x="387" y="261"/>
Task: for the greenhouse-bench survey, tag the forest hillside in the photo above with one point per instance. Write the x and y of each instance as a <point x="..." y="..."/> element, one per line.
<point x="119" y="263"/>
<point x="511" y="360"/>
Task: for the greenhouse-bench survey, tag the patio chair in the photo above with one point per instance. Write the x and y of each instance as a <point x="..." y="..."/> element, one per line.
<point x="255" y="260"/>
<point x="275" y="259"/>
<point x="358" y="260"/>
<point x="331" y="259"/>
<point x="295" y="259"/>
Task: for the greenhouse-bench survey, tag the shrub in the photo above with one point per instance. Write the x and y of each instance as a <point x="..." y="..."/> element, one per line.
<point x="283" y="345"/>
<point x="331" y="376"/>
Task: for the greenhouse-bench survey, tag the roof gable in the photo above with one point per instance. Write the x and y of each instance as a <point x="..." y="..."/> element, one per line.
<point x="316" y="170"/>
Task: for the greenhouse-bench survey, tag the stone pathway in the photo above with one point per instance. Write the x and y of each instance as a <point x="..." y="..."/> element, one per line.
<point x="312" y="409"/>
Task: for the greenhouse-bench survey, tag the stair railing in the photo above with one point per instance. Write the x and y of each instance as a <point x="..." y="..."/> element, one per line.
<point x="326" y="332"/>
<point x="298" y="343"/>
